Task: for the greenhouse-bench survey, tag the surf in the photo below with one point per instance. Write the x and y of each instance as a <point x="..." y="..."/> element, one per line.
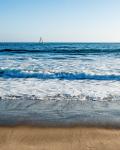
<point x="14" y="73"/>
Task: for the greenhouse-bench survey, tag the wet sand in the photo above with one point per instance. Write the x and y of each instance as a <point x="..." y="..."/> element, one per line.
<point x="49" y="138"/>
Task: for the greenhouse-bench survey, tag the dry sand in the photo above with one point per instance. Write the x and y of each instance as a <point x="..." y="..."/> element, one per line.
<point x="77" y="138"/>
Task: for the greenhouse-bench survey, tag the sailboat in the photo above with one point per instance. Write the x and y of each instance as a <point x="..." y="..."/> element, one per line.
<point x="41" y="40"/>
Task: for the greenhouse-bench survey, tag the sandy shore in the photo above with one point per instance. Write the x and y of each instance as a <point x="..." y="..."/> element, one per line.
<point x="79" y="138"/>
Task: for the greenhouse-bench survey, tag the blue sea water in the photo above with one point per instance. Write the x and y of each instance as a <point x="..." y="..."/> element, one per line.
<point x="60" y="83"/>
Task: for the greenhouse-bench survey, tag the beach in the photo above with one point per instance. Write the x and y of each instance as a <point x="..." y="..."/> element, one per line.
<point x="57" y="138"/>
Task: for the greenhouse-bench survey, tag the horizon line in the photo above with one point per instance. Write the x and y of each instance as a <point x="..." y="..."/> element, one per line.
<point x="60" y="42"/>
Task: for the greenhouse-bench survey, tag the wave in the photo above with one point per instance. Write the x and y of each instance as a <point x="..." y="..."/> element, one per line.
<point x="61" y="51"/>
<point x="13" y="73"/>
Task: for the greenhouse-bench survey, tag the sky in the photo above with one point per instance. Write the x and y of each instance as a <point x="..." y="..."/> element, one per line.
<point x="60" y="20"/>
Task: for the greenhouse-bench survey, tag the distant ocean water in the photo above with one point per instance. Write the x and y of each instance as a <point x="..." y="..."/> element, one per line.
<point x="67" y="83"/>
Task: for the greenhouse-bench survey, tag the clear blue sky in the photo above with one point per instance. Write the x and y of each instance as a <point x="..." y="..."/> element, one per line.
<point x="60" y="20"/>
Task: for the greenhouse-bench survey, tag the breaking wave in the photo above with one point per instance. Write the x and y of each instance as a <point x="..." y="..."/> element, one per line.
<point x="13" y="73"/>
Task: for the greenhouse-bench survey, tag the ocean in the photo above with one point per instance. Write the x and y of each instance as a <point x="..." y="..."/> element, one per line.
<point x="60" y="83"/>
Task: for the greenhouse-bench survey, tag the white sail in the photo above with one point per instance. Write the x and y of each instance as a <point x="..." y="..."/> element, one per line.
<point x="40" y="40"/>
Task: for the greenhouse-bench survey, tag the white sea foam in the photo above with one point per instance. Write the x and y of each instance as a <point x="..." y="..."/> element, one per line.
<point x="82" y="90"/>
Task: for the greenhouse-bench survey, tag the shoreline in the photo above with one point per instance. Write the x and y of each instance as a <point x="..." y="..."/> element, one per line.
<point x="62" y="126"/>
<point x="58" y="138"/>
